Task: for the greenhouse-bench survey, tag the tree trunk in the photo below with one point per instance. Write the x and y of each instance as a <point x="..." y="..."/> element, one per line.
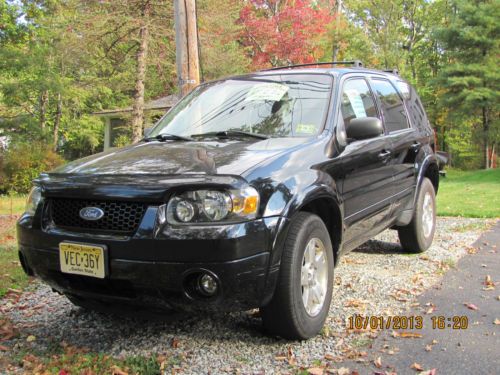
<point x="57" y="121"/>
<point x="43" y="101"/>
<point x="142" y="56"/>
<point x="486" y="127"/>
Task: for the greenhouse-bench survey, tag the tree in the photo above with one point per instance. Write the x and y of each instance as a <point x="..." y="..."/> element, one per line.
<point x="471" y="79"/>
<point x="221" y="53"/>
<point x="283" y="33"/>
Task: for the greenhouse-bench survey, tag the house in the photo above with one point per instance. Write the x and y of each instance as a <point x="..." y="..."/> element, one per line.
<point x="117" y="121"/>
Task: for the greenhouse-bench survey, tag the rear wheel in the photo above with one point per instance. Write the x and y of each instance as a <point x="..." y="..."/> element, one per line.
<point x="417" y="236"/>
<point x="300" y="304"/>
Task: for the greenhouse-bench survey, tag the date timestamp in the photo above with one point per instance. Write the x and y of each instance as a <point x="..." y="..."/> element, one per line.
<point x="359" y="322"/>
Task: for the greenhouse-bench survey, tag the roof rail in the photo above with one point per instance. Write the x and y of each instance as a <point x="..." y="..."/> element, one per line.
<point x="393" y="71"/>
<point x="355" y="63"/>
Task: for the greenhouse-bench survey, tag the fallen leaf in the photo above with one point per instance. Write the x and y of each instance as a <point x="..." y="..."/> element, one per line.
<point x="118" y="371"/>
<point x="471" y="306"/>
<point x="410" y="334"/>
<point x="4" y="348"/>
<point x="343" y="371"/>
<point x="175" y="343"/>
<point x="428" y="372"/>
<point x="355" y="303"/>
<point x="428" y="348"/>
<point x="496" y="321"/>
<point x="434" y="342"/>
<point x="471" y="250"/>
<point x="329" y="357"/>
<point x="378" y="362"/>
<point x="417" y="366"/>
<point x="30" y="338"/>
<point x="280" y="358"/>
<point x="315" y="371"/>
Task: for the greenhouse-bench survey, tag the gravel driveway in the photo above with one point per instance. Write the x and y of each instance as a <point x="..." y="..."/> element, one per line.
<point x="376" y="279"/>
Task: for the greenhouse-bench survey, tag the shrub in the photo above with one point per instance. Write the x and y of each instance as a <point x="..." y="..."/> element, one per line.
<point x="23" y="162"/>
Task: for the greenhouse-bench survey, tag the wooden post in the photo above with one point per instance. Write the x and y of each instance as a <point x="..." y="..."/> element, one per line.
<point x="186" y="44"/>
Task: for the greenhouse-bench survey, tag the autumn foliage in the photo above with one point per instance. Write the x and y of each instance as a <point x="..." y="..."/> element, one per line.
<point x="284" y="32"/>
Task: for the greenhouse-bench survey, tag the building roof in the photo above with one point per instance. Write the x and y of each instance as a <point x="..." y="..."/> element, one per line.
<point x="163" y="103"/>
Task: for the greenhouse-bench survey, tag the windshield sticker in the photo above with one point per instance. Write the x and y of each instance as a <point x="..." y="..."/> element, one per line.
<point x="267" y="91"/>
<point x="305" y="129"/>
<point x="356" y="102"/>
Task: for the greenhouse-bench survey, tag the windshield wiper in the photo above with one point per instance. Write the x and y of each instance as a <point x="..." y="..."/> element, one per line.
<point x="231" y="133"/>
<point x="168" y="137"/>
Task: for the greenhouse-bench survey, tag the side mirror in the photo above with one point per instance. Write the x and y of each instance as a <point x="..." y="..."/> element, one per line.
<point x="364" y="128"/>
<point x="147" y="131"/>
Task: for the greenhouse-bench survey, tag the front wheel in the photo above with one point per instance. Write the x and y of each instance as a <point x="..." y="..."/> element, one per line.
<point x="417" y="236"/>
<point x="301" y="301"/>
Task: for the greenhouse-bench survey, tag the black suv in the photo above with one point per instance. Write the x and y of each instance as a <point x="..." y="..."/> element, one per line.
<point x="243" y="195"/>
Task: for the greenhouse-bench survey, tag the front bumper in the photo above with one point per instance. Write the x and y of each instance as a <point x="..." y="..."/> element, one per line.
<point x="153" y="269"/>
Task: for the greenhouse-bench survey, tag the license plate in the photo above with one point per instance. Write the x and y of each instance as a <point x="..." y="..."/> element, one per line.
<point x="81" y="259"/>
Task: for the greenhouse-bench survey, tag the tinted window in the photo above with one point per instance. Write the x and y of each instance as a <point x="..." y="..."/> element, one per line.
<point x="392" y="105"/>
<point x="284" y="105"/>
<point x="357" y="101"/>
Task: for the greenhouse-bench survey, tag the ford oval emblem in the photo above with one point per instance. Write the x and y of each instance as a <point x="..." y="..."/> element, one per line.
<point x="91" y="213"/>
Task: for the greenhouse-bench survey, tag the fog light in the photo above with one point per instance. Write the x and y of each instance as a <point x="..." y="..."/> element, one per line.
<point x="208" y="285"/>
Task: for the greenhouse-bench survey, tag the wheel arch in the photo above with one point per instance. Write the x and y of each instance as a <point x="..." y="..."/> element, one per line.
<point x="329" y="212"/>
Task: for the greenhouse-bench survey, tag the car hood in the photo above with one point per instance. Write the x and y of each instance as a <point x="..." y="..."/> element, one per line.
<point x="229" y="157"/>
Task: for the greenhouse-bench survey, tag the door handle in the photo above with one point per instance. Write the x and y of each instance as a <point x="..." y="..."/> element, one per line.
<point x="384" y="155"/>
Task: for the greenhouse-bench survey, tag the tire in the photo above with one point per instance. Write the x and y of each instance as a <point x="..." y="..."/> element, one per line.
<point x="417" y="236"/>
<point x="287" y="315"/>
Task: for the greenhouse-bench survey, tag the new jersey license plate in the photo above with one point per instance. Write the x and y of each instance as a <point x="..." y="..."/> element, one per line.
<point x="81" y="259"/>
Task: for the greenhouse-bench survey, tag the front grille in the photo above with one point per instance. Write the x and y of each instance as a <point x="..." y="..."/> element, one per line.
<point x="122" y="217"/>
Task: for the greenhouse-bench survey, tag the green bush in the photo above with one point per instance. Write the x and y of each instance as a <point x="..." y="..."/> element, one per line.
<point x="21" y="163"/>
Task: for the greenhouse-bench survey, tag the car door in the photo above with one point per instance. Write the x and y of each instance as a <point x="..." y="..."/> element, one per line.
<point x="404" y="140"/>
<point x="365" y="167"/>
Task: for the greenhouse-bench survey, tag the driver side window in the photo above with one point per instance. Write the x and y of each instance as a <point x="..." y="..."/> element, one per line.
<point x="357" y="101"/>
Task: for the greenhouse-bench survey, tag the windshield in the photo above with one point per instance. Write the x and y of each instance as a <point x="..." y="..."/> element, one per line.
<point x="285" y="105"/>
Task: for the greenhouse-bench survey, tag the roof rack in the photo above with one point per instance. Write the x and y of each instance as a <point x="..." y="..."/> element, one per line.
<point x="355" y="63"/>
<point x="393" y="71"/>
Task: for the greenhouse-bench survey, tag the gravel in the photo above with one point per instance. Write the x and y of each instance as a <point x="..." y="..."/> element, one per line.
<point x="376" y="279"/>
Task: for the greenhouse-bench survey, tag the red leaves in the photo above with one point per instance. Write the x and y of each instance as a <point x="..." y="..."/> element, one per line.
<point x="282" y="34"/>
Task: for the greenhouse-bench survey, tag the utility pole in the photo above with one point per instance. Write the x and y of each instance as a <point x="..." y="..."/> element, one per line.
<point x="337" y="27"/>
<point x="186" y="44"/>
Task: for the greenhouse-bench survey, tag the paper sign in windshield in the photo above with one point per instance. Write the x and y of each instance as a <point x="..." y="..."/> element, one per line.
<point x="306" y="129"/>
<point x="267" y="91"/>
<point x="356" y="102"/>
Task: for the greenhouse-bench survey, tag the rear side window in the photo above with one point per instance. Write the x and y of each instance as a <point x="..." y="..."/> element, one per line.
<point x="357" y="101"/>
<point x="393" y="109"/>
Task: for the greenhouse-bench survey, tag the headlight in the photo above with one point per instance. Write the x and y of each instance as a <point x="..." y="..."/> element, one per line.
<point x="34" y="198"/>
<point x="207" y="206"/>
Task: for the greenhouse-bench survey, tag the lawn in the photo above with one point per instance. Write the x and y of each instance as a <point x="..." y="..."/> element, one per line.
<point x="470" y="194"/>
<point x="11" y="273"/>
<point x="12" y="204"/>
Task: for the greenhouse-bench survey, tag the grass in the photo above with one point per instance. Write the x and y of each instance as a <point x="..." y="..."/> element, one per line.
<point x="470" y="194"/>
<point x="12" y="204"/>
<point x="11" y="273"/>
<point x="71" y="360"/>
